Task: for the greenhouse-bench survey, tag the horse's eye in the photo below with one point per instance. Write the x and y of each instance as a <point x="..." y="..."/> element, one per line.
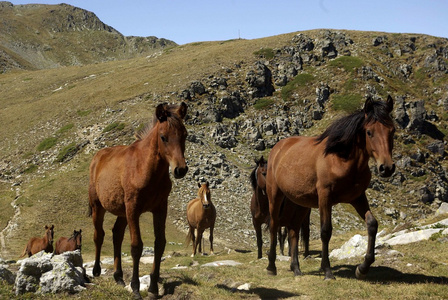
<point x="163" y="138"/>
<point x="369" y="133"/>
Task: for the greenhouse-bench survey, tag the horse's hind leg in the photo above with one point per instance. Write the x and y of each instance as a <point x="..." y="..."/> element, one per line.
<point x="274" y="210"/>
<point x="293" y="236"/>
<point x="282" y="234"/>
<point x="326" y="229"/>
<point x="362" y="207"/>
<point x="305" y="234"/>
<point x="98" y="236"/>
<point x="118" y="234"/>
<point x="211" y="240"/>
<point x="257" y="226"/>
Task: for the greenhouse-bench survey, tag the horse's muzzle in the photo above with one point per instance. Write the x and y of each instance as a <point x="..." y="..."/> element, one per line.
<point x="386" y="171"/>
<point x="205" y="206"/>
<point x="180" y="172"/>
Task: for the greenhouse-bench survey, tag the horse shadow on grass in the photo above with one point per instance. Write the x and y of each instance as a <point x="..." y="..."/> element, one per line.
<point x="385" y="275"/>
<point x="262" y="292"/>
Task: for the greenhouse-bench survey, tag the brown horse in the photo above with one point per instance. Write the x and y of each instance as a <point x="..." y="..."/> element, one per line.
<point x="201" y="214"/>
<point x="288" y="217"/>
<point x="130" y="180"/>
<point x="36" y="244"/>
<point x="69" y="244"/>
<point x="332" y="168"/>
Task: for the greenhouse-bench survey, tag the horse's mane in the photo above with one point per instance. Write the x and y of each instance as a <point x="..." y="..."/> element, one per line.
<point x="172" y="118"/>
<point x="253" y="179"/>
<point x="253" y="174"/>
<point x="74" y="235"/>
<point x="343" y="133"/>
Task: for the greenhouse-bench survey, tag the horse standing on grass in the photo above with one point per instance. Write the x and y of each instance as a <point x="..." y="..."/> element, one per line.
<point x="332" y="168"/>
<point x="69" y="244"/>
<point x="130" y="180"/>
<point x="259" y="207"/>
<point x="36" y="244"/>
<point x="201" y="214"/>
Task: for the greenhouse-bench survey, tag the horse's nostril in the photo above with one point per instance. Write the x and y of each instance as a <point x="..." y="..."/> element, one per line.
<point x="180" y="172"/>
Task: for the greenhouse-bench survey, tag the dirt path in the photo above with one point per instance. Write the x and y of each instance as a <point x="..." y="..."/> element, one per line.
<point x="12" y="224"/>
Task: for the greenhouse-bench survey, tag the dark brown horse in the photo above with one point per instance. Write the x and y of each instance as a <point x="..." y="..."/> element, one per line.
<point x="36" y="244"/>
<point x="201" y="214"/>
<point x="332" y="168"/>
<point x="69" y="244"/>
<point x="288" y="217"/>
<point x="130" y="180"/>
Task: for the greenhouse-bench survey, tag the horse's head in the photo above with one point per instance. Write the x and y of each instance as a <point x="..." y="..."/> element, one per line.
<point x="49" y="233"/>
<point x="380" y="129"/>
<point x="204" y="194"/>
<point x="262" y="167"/>
<point x="172" y="135"/>
<point x="78" y="239"/>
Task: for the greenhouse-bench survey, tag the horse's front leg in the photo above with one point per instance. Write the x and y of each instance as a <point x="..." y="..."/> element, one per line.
<point x="118" y="234"/>
<point x="362" y="207"/>
<point x="133" y="217"/>
<point x="305" y="234"/>
<point x="326" y="229"/>
<point x="257" y="226"/>
<point x="159" y="220"/>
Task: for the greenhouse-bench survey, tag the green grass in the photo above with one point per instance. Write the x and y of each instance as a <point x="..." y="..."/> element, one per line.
<point x="300" y="80"/>
<point x="263" y="103"/>
<point x="347" y="103"/>
<point x="65" y="129"/>
<point x="66" y="151"/>
<point x="47" y="143"/>
<point x="266" y="53"/>
<point x="348" y="63"/>
<point x="114" y="126"/>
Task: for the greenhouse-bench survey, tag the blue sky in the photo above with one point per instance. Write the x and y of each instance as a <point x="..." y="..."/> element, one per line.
<point x="186" y="21"/>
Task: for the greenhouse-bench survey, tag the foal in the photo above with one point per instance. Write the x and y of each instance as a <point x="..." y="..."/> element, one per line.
<point x="201" y="214"/>
<point x="69" y="244"/>
<point x="36" y="244"/>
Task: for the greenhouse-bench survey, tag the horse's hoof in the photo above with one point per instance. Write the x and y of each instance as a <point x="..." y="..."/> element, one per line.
<point x="360" y="275"/>
<point x="192" y="255"/>
<point x="136" y="295"/>
<point x="272" y="272"/>
<point x="297" y="272"/>
<point x="120" y="282"/>
<point x="329" y="277"/>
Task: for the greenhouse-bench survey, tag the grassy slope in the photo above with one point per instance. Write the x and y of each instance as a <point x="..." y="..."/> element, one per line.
<point x="34" y="108"/>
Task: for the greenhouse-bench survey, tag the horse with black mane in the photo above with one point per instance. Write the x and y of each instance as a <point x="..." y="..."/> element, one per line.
<point x="319" y="172"/>
<point x="69" y="244"/>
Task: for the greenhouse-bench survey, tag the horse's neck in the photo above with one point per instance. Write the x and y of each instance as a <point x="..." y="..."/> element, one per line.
<point x="150" y="147"/>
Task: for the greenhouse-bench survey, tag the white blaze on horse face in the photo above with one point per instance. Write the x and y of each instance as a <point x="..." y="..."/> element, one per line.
<point x="205" y="199"/>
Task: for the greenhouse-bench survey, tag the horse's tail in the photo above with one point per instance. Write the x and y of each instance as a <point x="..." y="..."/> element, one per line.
<point x="189" y="237"/>
<point x="24" y="251"/>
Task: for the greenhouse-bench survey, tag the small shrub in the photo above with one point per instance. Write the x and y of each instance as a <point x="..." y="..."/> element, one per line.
<point x="348" y="63"/>
<point x="347" y="103"/>
<point x="263" y="103"/>
<point x="65" y="128"/>
<point x="47" y="143"/>
<point x="30" y="169"/>
<point x="83" y="113"/>
<point x="114" y="126"/>
<point x="267" y="53"/>
<point x="66" y="152"/>
<point x="298" y="81"/>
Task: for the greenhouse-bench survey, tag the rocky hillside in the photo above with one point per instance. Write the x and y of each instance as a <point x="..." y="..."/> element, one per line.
<point x="49" y="36"/>
<point x="243" y="96"/>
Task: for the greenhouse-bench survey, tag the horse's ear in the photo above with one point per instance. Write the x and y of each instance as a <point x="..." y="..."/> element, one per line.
<point x="182" y="110"/>
<point x="80" y="230"/>
<point x="206" y="183"/>
<point x="161" y="113"/>
<point x="52" y="226"/>
<point x="368" y="106"/>
<point x="199" y="184"/>
<point x="46" y="227"/>
<point x="390" y="103"/>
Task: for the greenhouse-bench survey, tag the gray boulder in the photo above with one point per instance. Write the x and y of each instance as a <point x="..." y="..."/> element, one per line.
<point x="47" y="273"/>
